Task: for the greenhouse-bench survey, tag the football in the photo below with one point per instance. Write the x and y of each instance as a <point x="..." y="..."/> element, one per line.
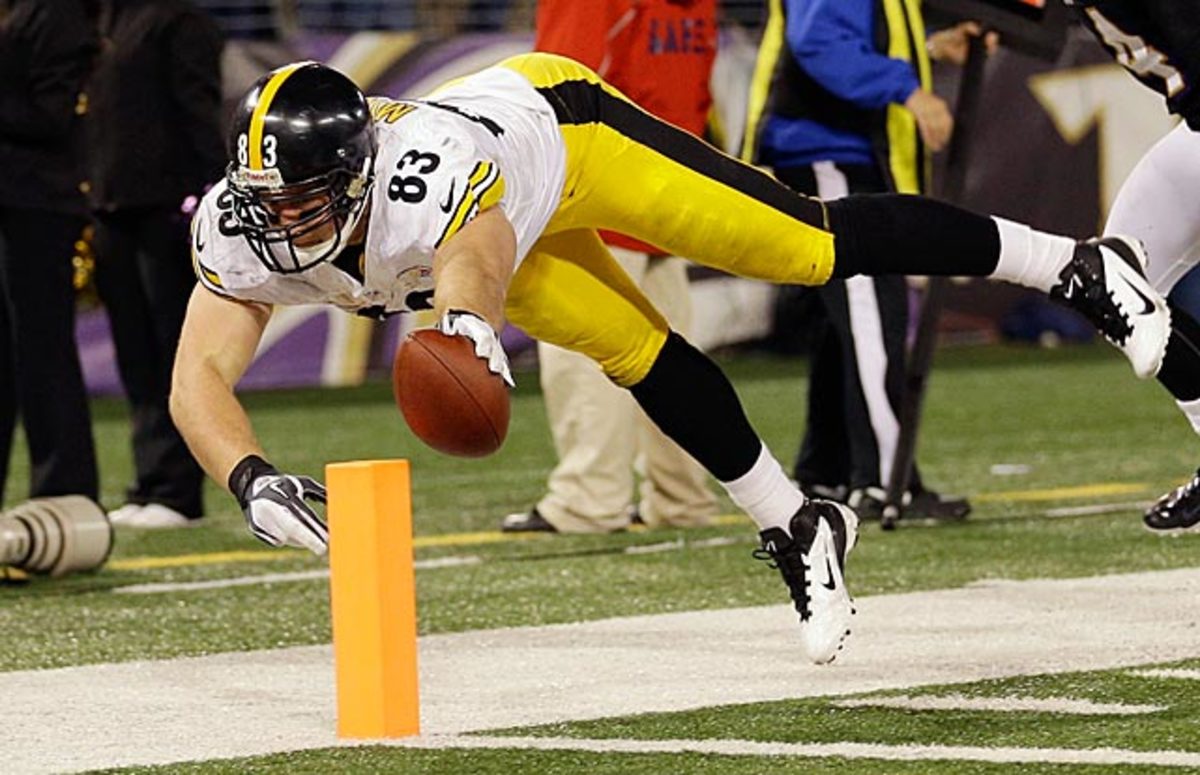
<point x="448" y="396"/>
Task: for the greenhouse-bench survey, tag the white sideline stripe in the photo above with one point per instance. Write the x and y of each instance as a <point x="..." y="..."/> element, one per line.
<point x="1061" y="705"/>
<point x="1180" y="673"/>
<point x="272" y="578"/>
<point x="1104" y="756"/>
<point x="81" y="718"/>
<point x="1097" y="508"/>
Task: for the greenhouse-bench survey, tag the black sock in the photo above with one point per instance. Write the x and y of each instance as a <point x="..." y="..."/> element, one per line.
<point x="878" y="234"/>
<point x="690" y="399"/>
<point x="1180" y="372"/>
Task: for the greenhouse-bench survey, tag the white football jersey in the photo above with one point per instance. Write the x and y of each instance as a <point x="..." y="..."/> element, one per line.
<point x="488" y="140"/>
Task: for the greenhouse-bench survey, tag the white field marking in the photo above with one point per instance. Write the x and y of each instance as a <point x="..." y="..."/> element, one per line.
<point x="274" y="578"/>
<point x="80" y="718"/>
<point x="1104" y="756"/>
<point x="679" y="543"/>
<point x="1180" y="673"/>
<point x="1097" y="508"/>
<point x="453" y="561"/>
<point x="1010" y="469"/>
<point x="1063" y="705"/>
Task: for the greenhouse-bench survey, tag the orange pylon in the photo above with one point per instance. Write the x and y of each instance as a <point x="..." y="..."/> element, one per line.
<point x="373" y="598"/>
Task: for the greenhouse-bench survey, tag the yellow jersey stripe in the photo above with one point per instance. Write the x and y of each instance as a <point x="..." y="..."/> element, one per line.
<point x="388" y="111"/>
<point x="482" y="192"/>
<point x="464" y="206"/>
<point x="491" y="192"/>
<point x="260" y="112"/>
<point x="212" y="277"/>
<point x="207" y="277"/>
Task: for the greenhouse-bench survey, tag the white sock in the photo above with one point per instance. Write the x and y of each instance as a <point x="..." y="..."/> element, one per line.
<point x="1191" y="410"/>
<point x="765" y="493"/>
<point x="1029" y="257"/>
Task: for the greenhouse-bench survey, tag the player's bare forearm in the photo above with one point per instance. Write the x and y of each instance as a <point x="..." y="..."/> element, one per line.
<point x="215" y="348"/>
<point x="472" y="270"/>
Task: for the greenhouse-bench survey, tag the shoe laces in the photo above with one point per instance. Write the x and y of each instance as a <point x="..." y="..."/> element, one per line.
<point x="790" y="564"/>
<point x="1083" y="288"/>
<point x="1183" y="492"/>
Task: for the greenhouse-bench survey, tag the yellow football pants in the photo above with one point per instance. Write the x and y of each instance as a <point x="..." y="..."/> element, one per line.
<point x="632" y="173"/>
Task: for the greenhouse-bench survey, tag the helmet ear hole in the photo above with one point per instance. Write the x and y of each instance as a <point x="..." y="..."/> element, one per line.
<point x="302" y="153"/>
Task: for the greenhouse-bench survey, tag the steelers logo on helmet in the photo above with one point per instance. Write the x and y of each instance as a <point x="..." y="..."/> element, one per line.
<point x="302" y="151"/>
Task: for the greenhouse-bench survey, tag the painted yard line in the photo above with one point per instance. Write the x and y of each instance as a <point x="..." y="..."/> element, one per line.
<point x="1180" y="673"/>
<point x="277" y="555"/>
<point x="79" y="718"/>
<point x="434" y="563"/>
<point x="1063" y="705"/>
<point x="680" y="543"/>
<point x="1006" y="755"/>
<point x="1103" y="756"/>
<point x="1063" y="493"/>
<point x="495" y="536"/>
<point x="491" y="537"/>
<point x="241" y="581"/>
<point x="1097" y="508"/>
<point x="209" y="558"/>
<point x="274" y="578"/>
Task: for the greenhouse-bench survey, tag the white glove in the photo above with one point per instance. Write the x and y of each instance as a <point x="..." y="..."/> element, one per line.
<point x="274" y="506"/>
<point x="487" y="344"/>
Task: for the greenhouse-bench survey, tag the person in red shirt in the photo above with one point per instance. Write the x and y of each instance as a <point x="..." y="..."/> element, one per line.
<point x="660" y="53"/>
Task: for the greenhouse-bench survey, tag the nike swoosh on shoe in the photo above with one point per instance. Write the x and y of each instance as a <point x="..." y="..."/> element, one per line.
<point x="1148" y="306"/>
<point x="829" y="583"/>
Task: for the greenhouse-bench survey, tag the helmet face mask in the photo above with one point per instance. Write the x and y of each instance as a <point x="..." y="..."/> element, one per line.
<point x="294" y="228"/>
<point x="303" y="148"/>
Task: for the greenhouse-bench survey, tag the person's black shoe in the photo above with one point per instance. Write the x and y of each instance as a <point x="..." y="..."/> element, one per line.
<point x="1178" y="511"/>
<point x="928" y="504"/>
<point x="838" y="493"/>
<point x="923" y="504"/>
<point x="526" y="522"/>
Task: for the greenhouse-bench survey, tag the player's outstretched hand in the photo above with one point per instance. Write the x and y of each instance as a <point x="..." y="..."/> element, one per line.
<point x="480" y="332"/>
<point x="275" y="508"/>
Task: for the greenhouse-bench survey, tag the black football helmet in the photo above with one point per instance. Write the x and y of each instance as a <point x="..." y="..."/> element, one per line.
<point x="302" y="153"/>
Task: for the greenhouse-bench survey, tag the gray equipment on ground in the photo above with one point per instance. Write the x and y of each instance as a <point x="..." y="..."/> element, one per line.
<point x="55" y="536"/>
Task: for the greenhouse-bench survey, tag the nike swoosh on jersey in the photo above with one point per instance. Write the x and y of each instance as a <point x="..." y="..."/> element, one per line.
<point x="448" y="205"/>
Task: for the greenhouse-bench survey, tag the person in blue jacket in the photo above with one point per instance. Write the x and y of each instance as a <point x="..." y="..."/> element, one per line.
<point x="841" y="104"/>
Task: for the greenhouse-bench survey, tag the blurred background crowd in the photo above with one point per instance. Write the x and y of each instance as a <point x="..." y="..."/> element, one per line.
<point x="111" y="116"/>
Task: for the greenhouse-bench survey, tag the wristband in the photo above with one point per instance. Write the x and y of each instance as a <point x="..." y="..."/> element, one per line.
<point x="246" y="471"/>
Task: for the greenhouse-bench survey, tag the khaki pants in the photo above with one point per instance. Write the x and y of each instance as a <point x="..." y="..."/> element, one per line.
<point x="602" y="436"/>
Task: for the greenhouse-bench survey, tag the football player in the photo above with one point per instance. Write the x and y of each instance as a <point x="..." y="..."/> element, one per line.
<point x="1158" y="41"/>
<point x="482" y="202"/>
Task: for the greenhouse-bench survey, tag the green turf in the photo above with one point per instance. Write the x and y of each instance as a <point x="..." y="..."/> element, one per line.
<point x="1075" y="416"/>
<point x="506" y="762"/>
<point x="821" y="720"/>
